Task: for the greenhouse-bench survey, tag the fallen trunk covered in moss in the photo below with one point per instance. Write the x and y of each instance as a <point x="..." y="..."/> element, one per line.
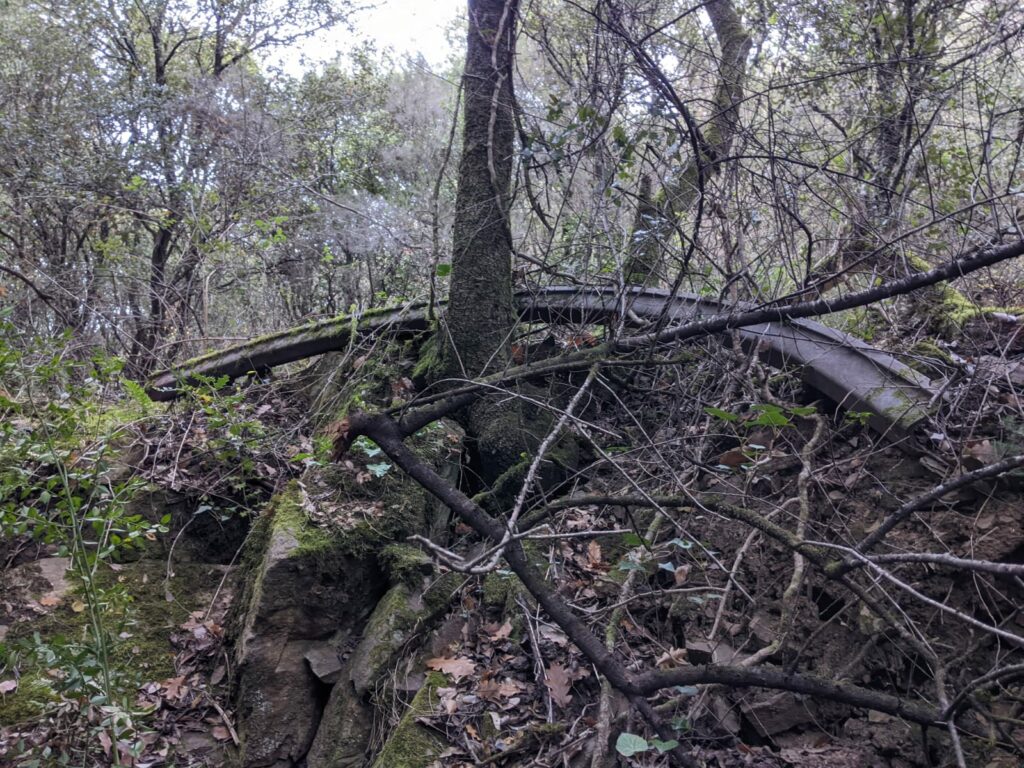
<point x="288" y="346"/>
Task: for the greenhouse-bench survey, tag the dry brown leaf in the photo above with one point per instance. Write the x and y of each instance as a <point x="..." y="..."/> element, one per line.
<point x="555" y="635"/>
<point x="734" y="458"/>
<point x="172" y="687"/>
<point x="489" y="690"/>
<point x="594" y="553"/>
<point x="458" y="668"/>
<point x="449" y="700"/>
<point x="682" y="575"/>
<point x="509" y="688"/>
<point x="979" y="453"/>
<point x="556" y="677"/>
<point x="499" y="633"/>
<point x="492" y="690"/>
<point x="49" y="601"/>
<point x="220" y="733"/>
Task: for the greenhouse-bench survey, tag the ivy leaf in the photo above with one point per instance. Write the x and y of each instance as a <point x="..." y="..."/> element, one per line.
<point x="629" y="744"/>
<point x="718" y="413"/>
<point x="378" y="470"/>
<point x="443" y="270"/>
<point x="664" y="746"/>
<point x="803" y="410"/>
<point x="769" y="416"/>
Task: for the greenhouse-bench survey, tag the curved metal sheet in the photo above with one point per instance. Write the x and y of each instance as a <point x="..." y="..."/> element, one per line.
<point x="856" y="375"/>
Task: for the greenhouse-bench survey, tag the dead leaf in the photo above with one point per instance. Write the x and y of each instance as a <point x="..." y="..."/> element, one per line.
<point x="220" y="733"/>
<point x="673" y="657"/>
<point x="218" y="675"/>
<point x="979" y="453"/>
<point x="172" y="687"/>
<point x="337" y="432"/>
<point x="458" y="668"/>
<point x="734" y="458"/>
<point x="492" y="690"/>
<point x="553" y="634"/>
<point x="556" y="677"/>
<point x="6" y="686"/>
<point x="449" y="700"/>
<point x="594" y="553"/>
<point x="681" y="575"/>
<point x="499" y="633"/>
<point x="49" y="600"/>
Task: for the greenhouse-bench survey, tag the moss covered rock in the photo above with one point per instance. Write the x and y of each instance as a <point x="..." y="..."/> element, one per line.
<point x="315" y="567"/>
<point x="301" y="583"/>
<point x="411" y="744"/>
<point x="402" y="612"/>
<point x="27" y="703"/>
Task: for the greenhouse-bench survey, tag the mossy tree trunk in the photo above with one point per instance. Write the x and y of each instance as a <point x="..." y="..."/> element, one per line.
<point x="480" y="316"/>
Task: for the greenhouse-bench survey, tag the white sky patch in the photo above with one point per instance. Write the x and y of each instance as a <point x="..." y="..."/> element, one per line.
<point x="405" y="27"/>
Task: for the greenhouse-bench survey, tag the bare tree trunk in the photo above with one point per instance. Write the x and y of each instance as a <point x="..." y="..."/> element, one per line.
<point x="710" y="145"/>
<point x="480" y="316"/>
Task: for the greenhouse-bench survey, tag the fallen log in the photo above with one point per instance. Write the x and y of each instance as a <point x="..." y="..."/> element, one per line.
<point x="854" y="374"/>
<point x="299" y="343"/>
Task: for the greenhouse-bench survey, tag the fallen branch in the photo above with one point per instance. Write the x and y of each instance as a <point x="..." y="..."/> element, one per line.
<point x="386" y="433"/>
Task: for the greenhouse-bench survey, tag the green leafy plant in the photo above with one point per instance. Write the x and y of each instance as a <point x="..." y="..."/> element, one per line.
<point x="629" y="744"/>
<point x="60" y="486"/>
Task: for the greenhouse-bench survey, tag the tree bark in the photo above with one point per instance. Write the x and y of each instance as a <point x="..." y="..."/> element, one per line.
<point x="481" y="315"/>
<point x="709" y="146"/>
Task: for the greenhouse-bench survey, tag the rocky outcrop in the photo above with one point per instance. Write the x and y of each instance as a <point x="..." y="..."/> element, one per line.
<point x="327" y="602"/>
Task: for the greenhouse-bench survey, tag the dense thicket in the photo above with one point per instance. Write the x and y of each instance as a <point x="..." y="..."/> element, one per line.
<point x="164" y="190"/>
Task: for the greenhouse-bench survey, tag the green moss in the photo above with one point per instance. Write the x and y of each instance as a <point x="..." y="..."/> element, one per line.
<point x="140" y="612"/>
<point x="339" y="327"/>
<point x="927" y="357"/>
<point x="401" y="613"/>
<point x="370" y="516"/>
<point x="405" y="564"/>
<point x="286" y="513"/>
<point x="903" y="410"/>
<point x="953" y="308"/>
<point x="412" y="745"/>
<point x="928" y="348"/>
<point x="389" y="626"/>
<point x="429" y="361"/>
<point x="500" y="589"/>
<point x="438" y="596"/>
<point x="30" y="701"/>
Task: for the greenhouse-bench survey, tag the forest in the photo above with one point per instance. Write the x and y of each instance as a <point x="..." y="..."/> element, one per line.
<point x="629" y="383"/>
